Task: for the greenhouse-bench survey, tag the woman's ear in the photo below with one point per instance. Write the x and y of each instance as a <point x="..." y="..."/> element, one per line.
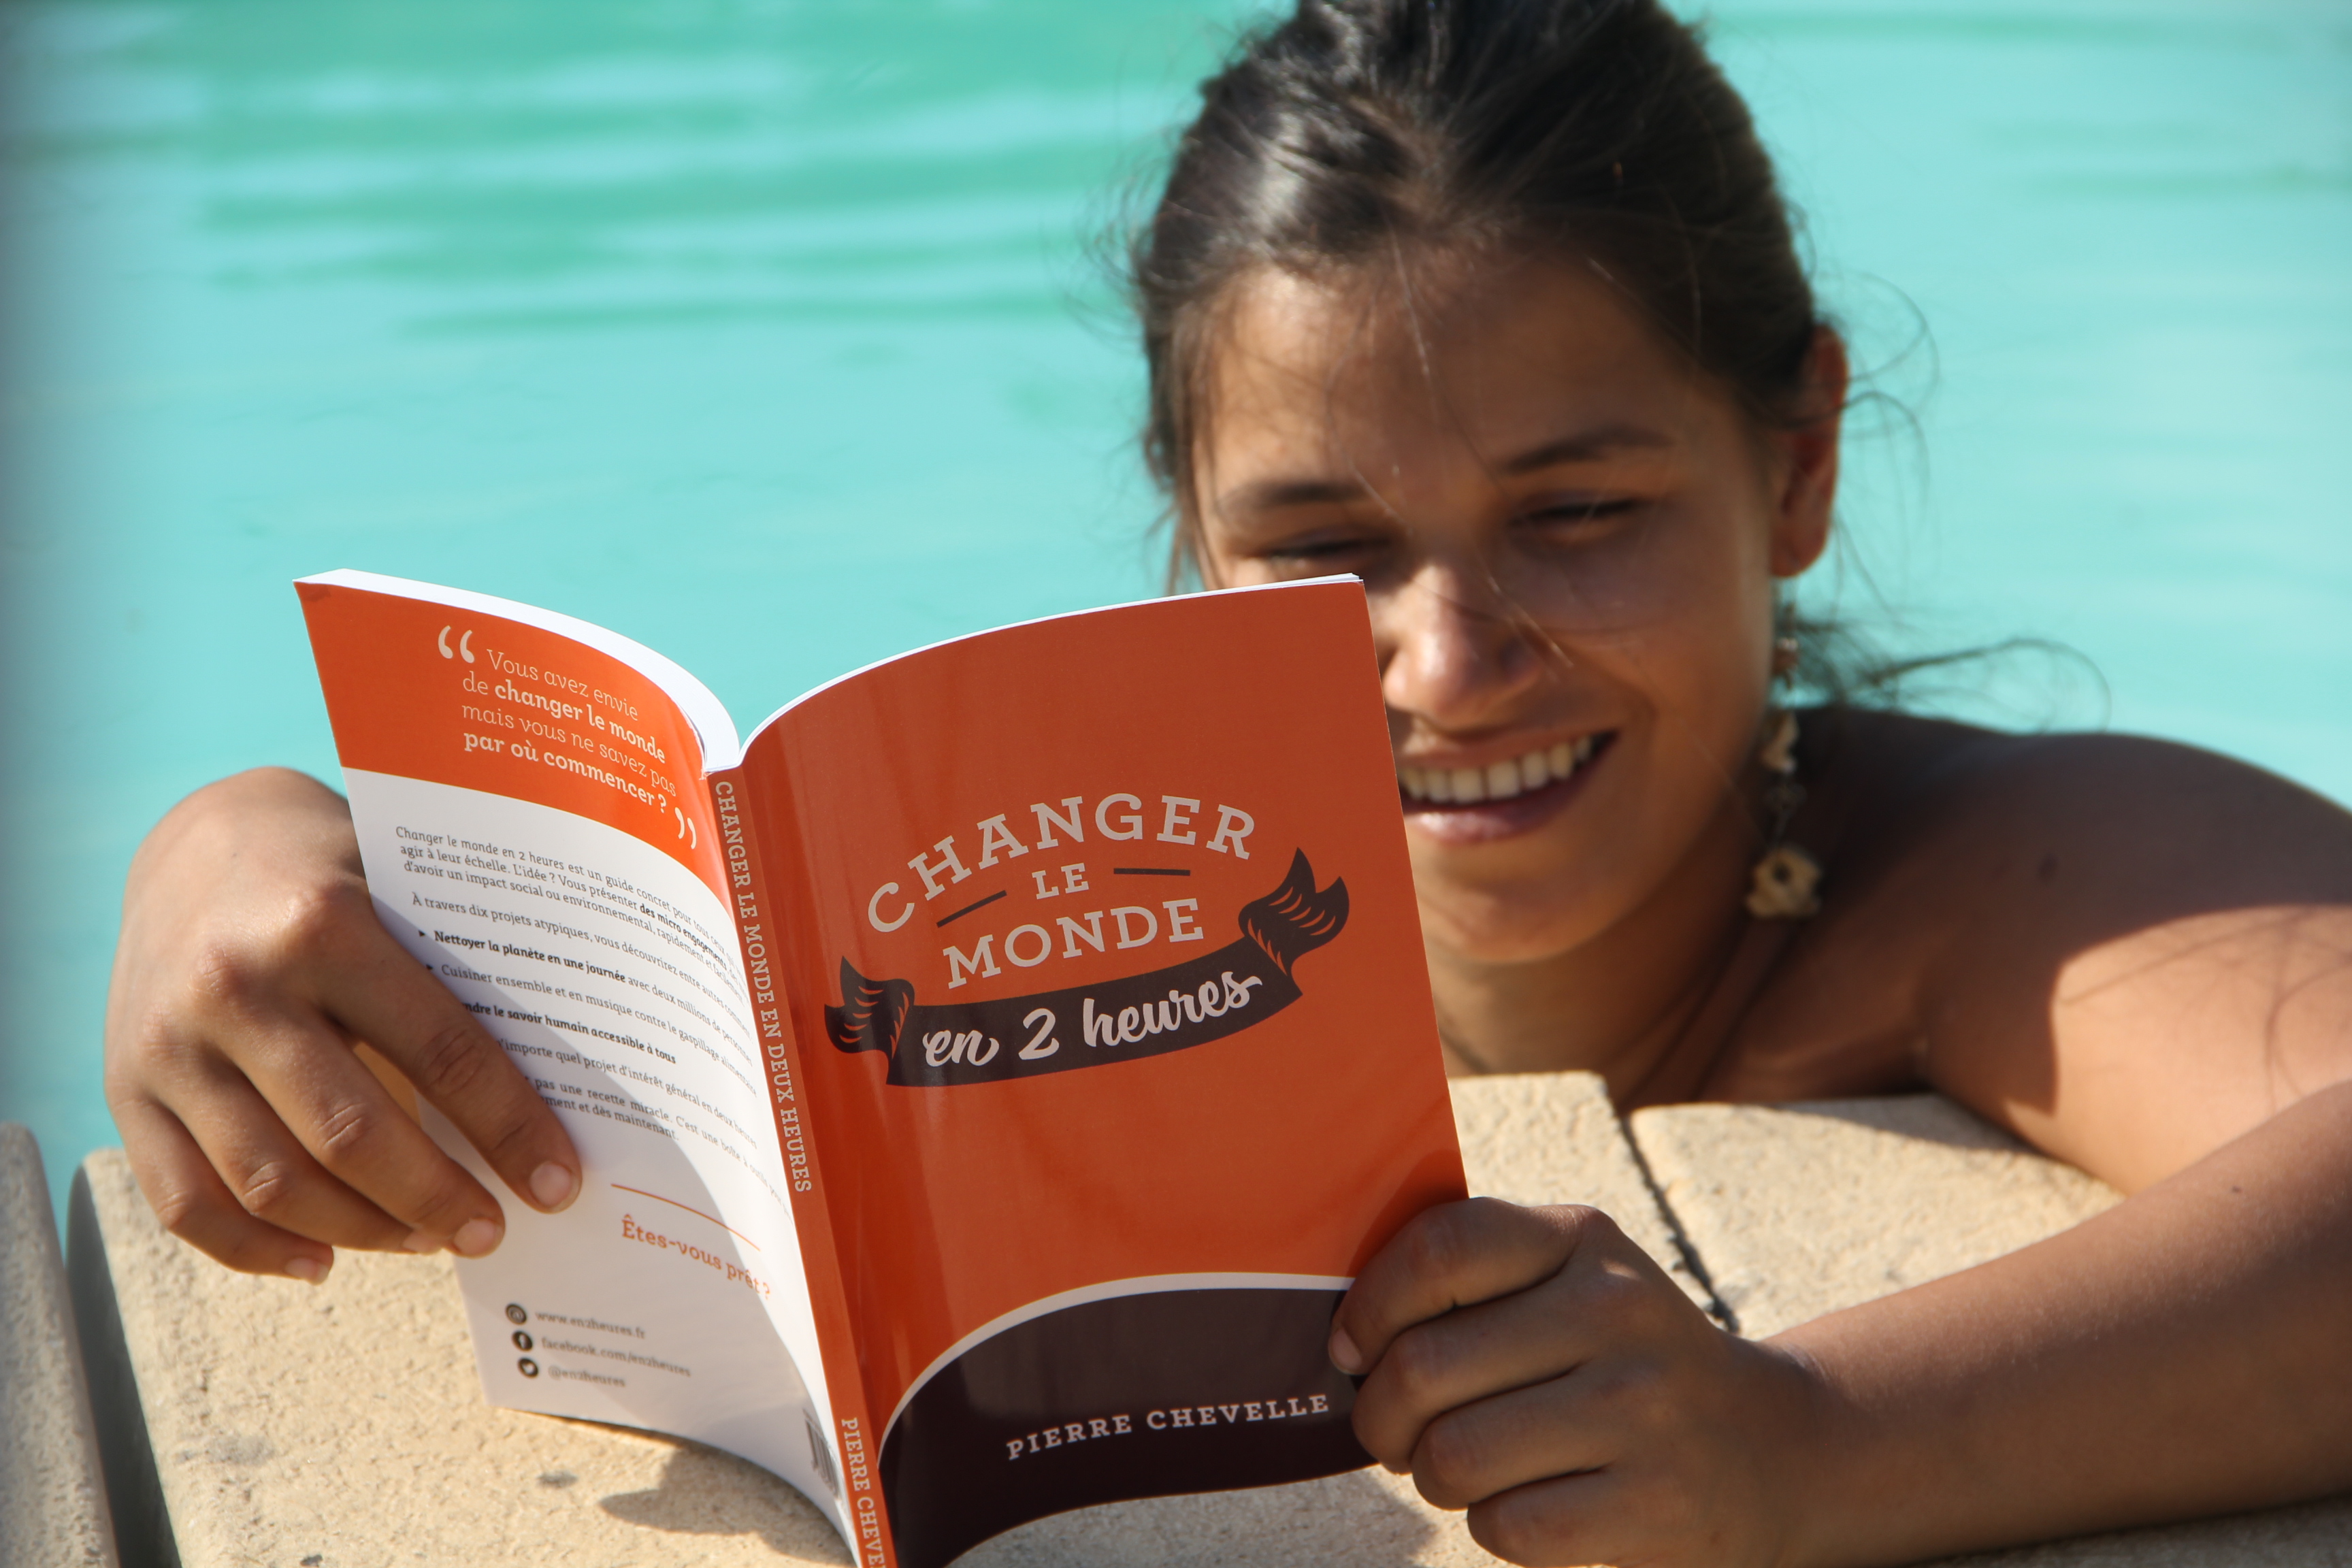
<point x="1808" y="451"/>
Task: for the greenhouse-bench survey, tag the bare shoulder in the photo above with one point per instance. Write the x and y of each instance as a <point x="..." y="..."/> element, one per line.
<point x="2137" y="827"/>
<point x="2128" y="950"/>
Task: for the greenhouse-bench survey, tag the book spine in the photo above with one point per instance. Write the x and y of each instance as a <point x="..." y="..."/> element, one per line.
<point x="858" y="1442"/>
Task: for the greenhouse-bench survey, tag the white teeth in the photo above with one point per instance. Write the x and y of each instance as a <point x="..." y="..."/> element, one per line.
<point x="1498" y="781"/>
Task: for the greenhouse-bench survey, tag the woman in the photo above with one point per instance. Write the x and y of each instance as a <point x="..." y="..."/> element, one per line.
<point x="1493" y="303"/>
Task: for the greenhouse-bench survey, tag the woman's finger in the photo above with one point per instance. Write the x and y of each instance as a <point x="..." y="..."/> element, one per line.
<point x="355" y="1132"/>
<point x="194" y="1204"/>
<point x="1531" y="1336"/>
<point x="257" y="1143"/>
<point x="1453" y="1256"/>
<point x="1564" y="1425"/>
<point x="1592" y="1517"/>
<point x="371" y="986"/>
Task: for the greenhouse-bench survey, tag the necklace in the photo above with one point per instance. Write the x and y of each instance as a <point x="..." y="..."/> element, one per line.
<point x="1784" y="885"/>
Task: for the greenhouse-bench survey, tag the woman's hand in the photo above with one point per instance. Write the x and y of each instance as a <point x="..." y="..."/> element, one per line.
<point x="251" y="965"/>
<point x="1536" y="1367"/>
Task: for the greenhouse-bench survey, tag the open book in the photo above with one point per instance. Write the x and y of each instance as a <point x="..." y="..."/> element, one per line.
<point x="988" y="1077"/>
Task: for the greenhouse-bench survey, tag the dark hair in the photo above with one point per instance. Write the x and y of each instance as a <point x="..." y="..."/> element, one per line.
<point x="1359" y="129"/>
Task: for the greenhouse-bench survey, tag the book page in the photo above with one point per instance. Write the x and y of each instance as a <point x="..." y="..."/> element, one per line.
<point x="1115" y="1043"/>
<point x="530" y="814"/>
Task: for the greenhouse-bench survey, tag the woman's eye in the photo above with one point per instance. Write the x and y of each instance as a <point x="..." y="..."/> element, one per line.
<point x="1317" y="552"/>
<point x="1576" y="517"/>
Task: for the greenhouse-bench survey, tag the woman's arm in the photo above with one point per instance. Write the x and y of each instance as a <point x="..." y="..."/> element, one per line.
<point x="2136" y="956"/>
<point x="250" y="967"/>
<point x="2184" y="1353"/>
<point x="2147" y="971"/>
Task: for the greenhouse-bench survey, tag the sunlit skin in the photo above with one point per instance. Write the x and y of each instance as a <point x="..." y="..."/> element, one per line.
<point x="2134" y="955"/>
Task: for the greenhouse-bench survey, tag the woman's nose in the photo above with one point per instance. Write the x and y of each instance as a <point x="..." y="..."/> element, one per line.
<point x="1454" y="652"/>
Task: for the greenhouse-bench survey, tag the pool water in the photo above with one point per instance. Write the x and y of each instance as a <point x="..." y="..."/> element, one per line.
<point x="770" y="333"/>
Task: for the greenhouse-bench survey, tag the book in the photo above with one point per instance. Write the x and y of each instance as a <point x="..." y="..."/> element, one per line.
<point x="988" y="1077"/>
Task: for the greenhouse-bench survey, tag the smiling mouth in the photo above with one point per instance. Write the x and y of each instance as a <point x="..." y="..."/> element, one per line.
<point x="1507" y="780"/>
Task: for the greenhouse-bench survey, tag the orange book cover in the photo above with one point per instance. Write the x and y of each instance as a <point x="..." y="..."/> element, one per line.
<point x="1071" y="972"/>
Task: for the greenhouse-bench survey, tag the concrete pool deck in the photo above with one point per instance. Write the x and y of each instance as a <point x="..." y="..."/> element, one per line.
<point x="259" y="1422"/>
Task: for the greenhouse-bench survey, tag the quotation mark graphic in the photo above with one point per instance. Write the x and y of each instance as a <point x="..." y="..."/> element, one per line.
<point x="465" y="645"/>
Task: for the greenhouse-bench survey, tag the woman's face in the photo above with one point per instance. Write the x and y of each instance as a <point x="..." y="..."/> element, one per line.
<point x="1569" y="540"/>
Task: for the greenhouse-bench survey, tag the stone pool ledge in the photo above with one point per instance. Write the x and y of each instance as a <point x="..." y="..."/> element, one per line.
<point x="260" y="1421"/>
<point x="52" y="1503"/>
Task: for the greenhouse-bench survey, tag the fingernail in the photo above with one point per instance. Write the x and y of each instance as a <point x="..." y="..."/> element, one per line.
<point x="309" y="1270"/>
<point x="474" y="1237"/>
<point x="551" y="1186"/>
<point x="420" y="1241"/>
<point x="1344" y="1353"/>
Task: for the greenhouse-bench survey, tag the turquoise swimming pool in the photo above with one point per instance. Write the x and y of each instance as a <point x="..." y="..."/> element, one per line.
<point x="767" y="334"/>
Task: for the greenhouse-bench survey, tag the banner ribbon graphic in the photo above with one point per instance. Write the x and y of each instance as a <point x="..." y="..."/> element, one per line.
<point x="932" y="1045"/>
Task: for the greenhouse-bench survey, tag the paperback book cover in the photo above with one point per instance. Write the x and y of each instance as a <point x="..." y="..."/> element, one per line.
<point x="988" y="1076"/>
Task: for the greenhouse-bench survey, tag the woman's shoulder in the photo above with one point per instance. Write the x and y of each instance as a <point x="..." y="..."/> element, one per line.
<point x="1970" y="871"/>
<point x="1967" y="802"/>
<point x="2162" y="928"/>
